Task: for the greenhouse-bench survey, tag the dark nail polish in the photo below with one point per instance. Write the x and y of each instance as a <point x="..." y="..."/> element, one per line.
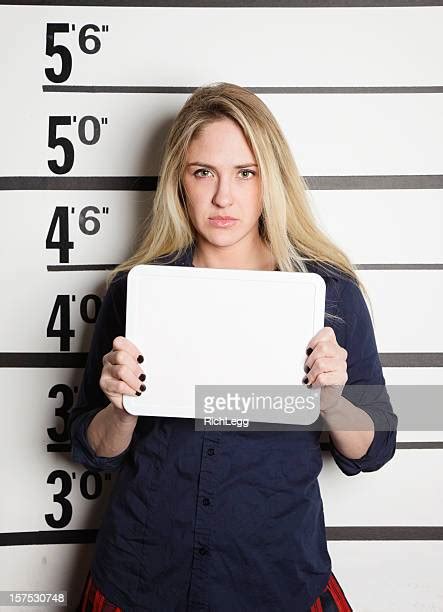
<point x="305" y="380"/>
<point x="142" y="388"/>
<point x="137" y="393"/>
<point x="309" y="351"/>
<point x="140" y="359"/>
<point x="142" y="377"/>
<point x="307" y="368"/>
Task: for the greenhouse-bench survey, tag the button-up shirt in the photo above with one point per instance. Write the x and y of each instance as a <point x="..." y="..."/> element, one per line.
<point x="222" y="521"/>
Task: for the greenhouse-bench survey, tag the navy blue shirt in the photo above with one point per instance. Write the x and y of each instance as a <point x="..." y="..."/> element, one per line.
<point x="222" y="521"/>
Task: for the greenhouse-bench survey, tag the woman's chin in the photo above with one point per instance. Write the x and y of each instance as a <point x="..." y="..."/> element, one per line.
<point x="221" y="238"/>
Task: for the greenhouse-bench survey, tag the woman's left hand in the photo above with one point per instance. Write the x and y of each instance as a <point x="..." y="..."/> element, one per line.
<point x="327" y="367"/>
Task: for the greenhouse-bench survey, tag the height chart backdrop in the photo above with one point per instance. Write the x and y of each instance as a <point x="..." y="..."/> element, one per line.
<point x="88" y="94"/>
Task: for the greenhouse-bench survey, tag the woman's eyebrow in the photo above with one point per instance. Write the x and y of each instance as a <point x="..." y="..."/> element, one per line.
<point x="197" y="163"/>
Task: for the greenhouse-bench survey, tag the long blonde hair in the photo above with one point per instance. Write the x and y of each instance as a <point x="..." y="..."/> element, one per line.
<point x="287" y="225"/>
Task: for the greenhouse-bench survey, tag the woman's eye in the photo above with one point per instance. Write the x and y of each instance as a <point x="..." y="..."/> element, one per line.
<point x="196" y="173"/>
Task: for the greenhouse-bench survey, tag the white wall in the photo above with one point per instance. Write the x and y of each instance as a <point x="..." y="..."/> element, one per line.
<point x="374" y="161"/>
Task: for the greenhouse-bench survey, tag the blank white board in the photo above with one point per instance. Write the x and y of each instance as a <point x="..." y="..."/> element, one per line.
<point x="212" y="326"/>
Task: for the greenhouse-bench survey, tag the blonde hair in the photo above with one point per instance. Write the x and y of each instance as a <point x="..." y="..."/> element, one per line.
<point x="287" y="225"/>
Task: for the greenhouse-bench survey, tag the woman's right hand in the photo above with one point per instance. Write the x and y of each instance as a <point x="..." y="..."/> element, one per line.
<point x="121" y="375"/>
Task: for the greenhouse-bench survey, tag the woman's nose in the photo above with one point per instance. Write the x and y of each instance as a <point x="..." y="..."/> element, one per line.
<point x="223" y="194"/>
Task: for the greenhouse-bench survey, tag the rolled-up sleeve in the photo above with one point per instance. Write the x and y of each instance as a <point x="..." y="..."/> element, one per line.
<point x="91" y="399"/>
<point x="365" y="387"/>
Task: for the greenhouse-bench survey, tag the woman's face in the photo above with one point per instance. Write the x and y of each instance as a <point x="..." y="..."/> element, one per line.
<point x="221" y="179"/>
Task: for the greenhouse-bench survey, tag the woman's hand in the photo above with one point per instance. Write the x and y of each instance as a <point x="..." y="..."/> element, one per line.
<point x="326" y="367"/>
<point x="121" y="374"/>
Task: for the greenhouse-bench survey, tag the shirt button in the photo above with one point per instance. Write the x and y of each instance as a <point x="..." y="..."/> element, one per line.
<point x="202" y="550"/>
<point x="206" y="501"/>
<point x="210" y="451"/>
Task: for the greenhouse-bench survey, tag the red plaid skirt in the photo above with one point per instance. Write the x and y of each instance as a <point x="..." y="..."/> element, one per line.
<point x="331" y="600"/>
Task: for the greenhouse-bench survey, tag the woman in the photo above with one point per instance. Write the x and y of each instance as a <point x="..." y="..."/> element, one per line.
<point x="227" y="521"/>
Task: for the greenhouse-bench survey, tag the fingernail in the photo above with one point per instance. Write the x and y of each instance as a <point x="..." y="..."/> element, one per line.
<point x="140" y="359"/>
<point x="142" y="388"/>
<point x="309" y="351"/>
<point x="307" y="368"/>
<point x="142" y="377"/>
<point x="137" y="393"/>
<point x="305" y="380"/>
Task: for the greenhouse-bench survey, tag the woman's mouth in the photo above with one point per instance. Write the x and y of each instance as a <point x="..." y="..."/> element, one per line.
<point x="222" y="222"/>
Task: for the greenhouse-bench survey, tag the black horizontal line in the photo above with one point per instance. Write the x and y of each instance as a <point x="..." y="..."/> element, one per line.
<point x="403" y="266"/>
<point x="87" y="536"/>
<point x="65" y="536"/>
<point x="78" y="360"/>
<point x="65" y="447"/>
<point x="411" y="360"/>
<point x="102" y="183"/>
<point x="168" y="89"/>
<point x="43" y="360"/>
<point x="325" y="446"/>
<point x="79" y="267"/>
<point x="58" y="447"/>
<point x="231" y="3"/>
<point x="384" y="533"/>
<point x="419" y="445"/>
<point x="387" y="266"/>
<point x="149" y="183"/>
<point x="387" y="181"/>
